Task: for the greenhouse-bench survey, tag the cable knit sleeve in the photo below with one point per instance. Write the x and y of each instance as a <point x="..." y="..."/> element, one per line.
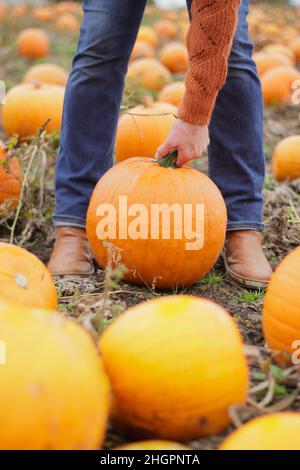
<point x="209" y="42"/>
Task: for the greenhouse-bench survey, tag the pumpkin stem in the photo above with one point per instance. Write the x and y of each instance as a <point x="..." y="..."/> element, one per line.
<point x="170" y="160"/>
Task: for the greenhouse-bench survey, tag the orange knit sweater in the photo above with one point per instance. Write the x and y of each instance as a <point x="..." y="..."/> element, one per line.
<point x="209" y="42"/>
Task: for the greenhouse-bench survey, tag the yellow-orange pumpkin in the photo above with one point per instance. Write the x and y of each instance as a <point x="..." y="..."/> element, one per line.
<point x="279" y="49"/>
<point x="286" y="159"/>
<point x="148" y="73"/>
<point x="143" y="129"/>
<point x="175" y="57"/>
<point x="278" y="431"/>
<point x="281" y="310"/>
<point x="33" y="43"/>
<point x="153" y="445"/>
<point x="158" y="246"/>
<point x="176" y="364"/>
<point x="147" y="34"/>
<point x="10" y="178"/>
<point x="67" y="22"/>
<point x="24" y="279"/>
<point x="277" y="84"/>
<point x="166" y="29"/>
<point x="30" y="106"/>
<point x="142" y="50"/>
<point x="46" y="73"/>
<point x="172" y="93"/>
<point x="54" y="393"/>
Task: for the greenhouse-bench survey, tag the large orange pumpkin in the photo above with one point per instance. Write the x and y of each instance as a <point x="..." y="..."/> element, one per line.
<point x="30" y="106"/>
<point x="281" y="311"/>
<point x="175" y="221"/>
<point x="148" y="73"/>
<point x="33" y="43"/>
<point x="166" y="29"/>
<point x="54" y="394"/>
<point x="24" y="279"/>
<point x="10" y="178"/>
<point x="279" y="431"/>
<point x="176" y="365"/>
<point x="277" y="84"/>
<point x="286" y="159"/>
<point x="265" y="62"/>
<point x="143" y="129"/>
<point x="153" y="445"/>
<point x="172" y="93"/>
<point x="142" y="50"/>
<point x="46" y="73"/>
<point x="175" y="57"/>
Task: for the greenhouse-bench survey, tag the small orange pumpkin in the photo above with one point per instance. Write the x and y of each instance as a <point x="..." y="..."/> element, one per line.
<point x="153" y="445"/>
<point x="46" y="73"/>
<point x="166" y="29"/>
<point x="295" y="48"/>
<point x="44" y="13"/>
<point x="147" y="34"/>
<point x="177" y="231"/>
<point x="142" y="50"/>
<point x="281" y="310"/>
<point x="69" y="7"/>
<point x="148" y="73"/>
<point x="277" y="84"/>
<point x="174" y="56"/>
<point x="33" y="43"/>
<point x="10" y="178"/>
<point x="286" y="159"/>
<point x="54" y="393"/>
<point x="143" y="129"/>
<point x="172" y="93"/>
<point x="24" y="279"/>
<point x="67" y="22"/>
<point x="30" y="106"/>
<point x="278" y="431"/>
<point x="176" y="364"/>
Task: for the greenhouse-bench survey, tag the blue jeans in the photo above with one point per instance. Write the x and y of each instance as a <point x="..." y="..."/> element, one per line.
<point x="91" y="110"/>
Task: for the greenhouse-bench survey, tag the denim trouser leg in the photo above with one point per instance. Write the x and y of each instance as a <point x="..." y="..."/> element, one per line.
<point x="236" y="152"/>
<point x="92" y="103"/>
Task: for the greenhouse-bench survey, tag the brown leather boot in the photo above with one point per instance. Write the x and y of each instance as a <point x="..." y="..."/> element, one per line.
<point x="71" y="253"/>
<point x="245" y="260"/>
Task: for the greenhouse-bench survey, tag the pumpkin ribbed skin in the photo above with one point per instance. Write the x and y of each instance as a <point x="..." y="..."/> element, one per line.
<point x="33" y="43"/>
<point x="29" y="106"/>
<point x="176" y="365"/>
<point x="277" y="84"/>
<point x="143" y="129"/>
<point x="166" y="262"/>
<point x="148" y="73"/>
<point x="25" y="279"/>
<point x="54" y="393"/>
<point x="286" y="159"/>
<point x="10" y="178"/>
<point x="153" y="445"/>
<point x="46" y="73"/>
<point x="279" y="431"/>
<point x="172" y="93"/>
<point x="281" y="310"/>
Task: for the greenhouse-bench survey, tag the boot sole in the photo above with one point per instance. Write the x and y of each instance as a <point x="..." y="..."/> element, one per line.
<point x="244" y="281"/>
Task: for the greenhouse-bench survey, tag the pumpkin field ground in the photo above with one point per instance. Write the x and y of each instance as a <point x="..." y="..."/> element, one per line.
<point x="97" y="299"/>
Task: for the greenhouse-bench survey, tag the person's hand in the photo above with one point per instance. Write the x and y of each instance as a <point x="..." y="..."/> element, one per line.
<point x="190" y="140"/>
